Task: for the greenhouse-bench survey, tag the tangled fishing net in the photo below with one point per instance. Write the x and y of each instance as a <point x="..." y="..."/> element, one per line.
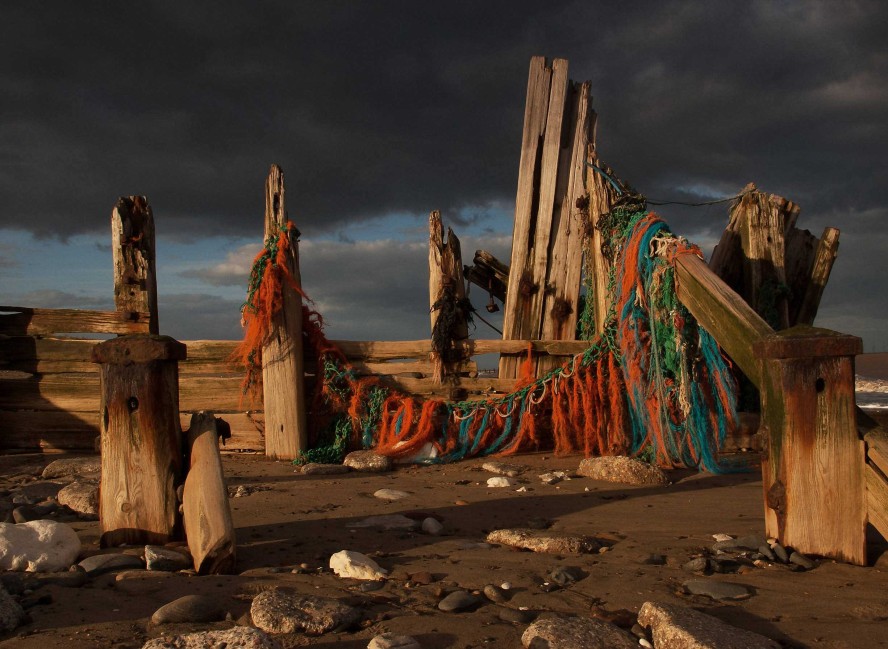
<point x="652" y="382"/>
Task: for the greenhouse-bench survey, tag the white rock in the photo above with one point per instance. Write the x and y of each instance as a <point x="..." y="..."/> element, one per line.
<point x="432" y="526"/>
<point x="499" y="481"/>
<point x="38" y="546"/>
<point x="355" y="565"/>
<point x="393" y="641"/>
<point x="390" y="494"/>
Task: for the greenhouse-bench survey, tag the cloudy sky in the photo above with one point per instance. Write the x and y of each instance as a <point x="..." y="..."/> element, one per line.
<point x="380" y="112"/>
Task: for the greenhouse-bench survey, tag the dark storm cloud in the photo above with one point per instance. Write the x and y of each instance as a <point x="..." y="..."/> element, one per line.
<point x="403" y="107"/>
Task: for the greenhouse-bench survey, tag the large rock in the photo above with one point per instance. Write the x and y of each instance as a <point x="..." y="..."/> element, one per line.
<point x="625" y="470"/>
<point x="239" y="637"/>
<point x="82" y="496"/>
<point x="38" y="546"/>
<point x="355" y="565"/>
<point x="280" y="611"/>
<point x="542" y="541"/>
<point x="677" y="627"/>
<point x="368" y="461"/>
<point x="190" y="608"/>
<point x="85" y="467"/>
<point x="576" y="633"/>
<point x="11" y="612"/>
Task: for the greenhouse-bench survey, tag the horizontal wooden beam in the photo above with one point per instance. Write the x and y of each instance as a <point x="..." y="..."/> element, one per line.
<point x="877" y="499"/>
<point x="722" y="312"/>
<point x="25" y="321"/>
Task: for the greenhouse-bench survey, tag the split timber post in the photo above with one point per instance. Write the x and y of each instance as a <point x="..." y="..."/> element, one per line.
<point x="446" y="284"/>
<point x="813" y="459"/>
<point x="283" y="378"/>
<point x="133" y="252"/>
<point x="546" y="258"/>
<point x="141" y="439"/>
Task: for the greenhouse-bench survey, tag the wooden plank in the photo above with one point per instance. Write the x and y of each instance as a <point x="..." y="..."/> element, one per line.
<point x="26" y="321"/>
<point x="447" y="293"/>
<point x="877" y="448"/>
<point x="813" y="463"/>
<point x="726" y="260"/>
<point x="47" y="430"/>
<point x="529" y="173"/>
<point x="206" y="512"/>
<point x="560" y="303"/>
<point x="283" y="381"/>
<point x="763" y="246"/>
<point x="800" y="248"/>
<point x="824" y="257"/>
<point x="602" y="196"/>
<point x="134" y="253"/>
<point x="489" y="273"/>
<point x="722" y="312"/>
<point x="877" y="500"/>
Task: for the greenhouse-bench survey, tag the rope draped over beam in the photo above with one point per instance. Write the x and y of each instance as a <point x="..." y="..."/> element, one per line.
<point x="653" y="382"/>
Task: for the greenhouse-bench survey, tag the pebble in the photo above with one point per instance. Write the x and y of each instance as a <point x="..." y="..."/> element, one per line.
<point x="432" y="526"/>
<point x="506" y="585"/>
<point x="166" y="559"/>
<point x="371" y="586"/>
<point x="239" y="637"/>
<point x="721" y="538"/>
<point x="190" y="608"/>
<point x="539" y="542"/>
<point x="780" y="552"/>
<point x="354" y="565"/>
<point x="368" y="462"/>
<point x="765" y="550"/>
<point x="38" y="546"/>
<point x="576" y="633"/>
<point x="625" y="470"/>
<point x="566" y="575"/>
<point x="801" y="560"/>
<point x="11" y="612"/>
<point x="99" y="564"/>
<point x="27" y="513"/>
<point x="423" y="578"/>
<point x="645" y="643"/>
<point x="458" y="600"/>
<point x="499" y="481"/>
<point x="700" y="564"/>
<point x="502" y="468"/>
<point x="393" y="641"/>
<point x="553" y="477"/>
<point x="494" y="594"/>
<point x="279" y="611"/>
<point x="717" y="590"/>
<point x="390" y="494"/>
<point x="313" y="468"/>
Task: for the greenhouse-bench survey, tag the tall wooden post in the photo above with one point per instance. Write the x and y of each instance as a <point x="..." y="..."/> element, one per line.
<point x="446" y="284"/>
<point x="813" y="458"/>
<point x="283" y="379"/>
<point x="133" y="251"/>
<point x="141" y="439"/>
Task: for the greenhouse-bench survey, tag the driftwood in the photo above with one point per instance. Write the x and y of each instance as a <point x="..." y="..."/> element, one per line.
<point x="141" y="439"/>
<point x="283" y="385"/>
<point x="206" y="513"/>
<point x="133" y="250"/>
<point x="489" y="273"/>
<point x="447" y="298"/>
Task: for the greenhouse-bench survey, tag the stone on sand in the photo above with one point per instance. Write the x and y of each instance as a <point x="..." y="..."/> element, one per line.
<point x="82" y="496"/>
<point x="158" y="557"/>
<point x="390" y="494"/>
<point x="576" y="633"/>
<point x="190" y="608"/>
<point x="239" y="637"/>
<point x="88" y="467"/>
<point x="432" y="526"/>
<point x="11" y="612"/>
<point x="393" y="641"/>
<point x="678" y="627"/>
<point x="368" y="461"/>
<point x="625" y="470"/>
<point x="717" y="590"/>
<point x="502" y="468"/>
<point x="99" y="564"/>
<point x="499" y="481"/>
<point x="38" y="546"/>
<point x="540" y="541"/>
<point x="280" y="611"/>
<point x="354" y="565"/>
<point x="458" y="600"/>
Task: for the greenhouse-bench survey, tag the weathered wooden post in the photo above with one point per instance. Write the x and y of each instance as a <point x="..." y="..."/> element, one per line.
<point x="133" y="251"/>
<point x="205" y="509"/>
<point x="141" y="440"/>
<point x="813" y="459"/>
<point x="283" y="379"/>
<point x="447" y="297"/>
